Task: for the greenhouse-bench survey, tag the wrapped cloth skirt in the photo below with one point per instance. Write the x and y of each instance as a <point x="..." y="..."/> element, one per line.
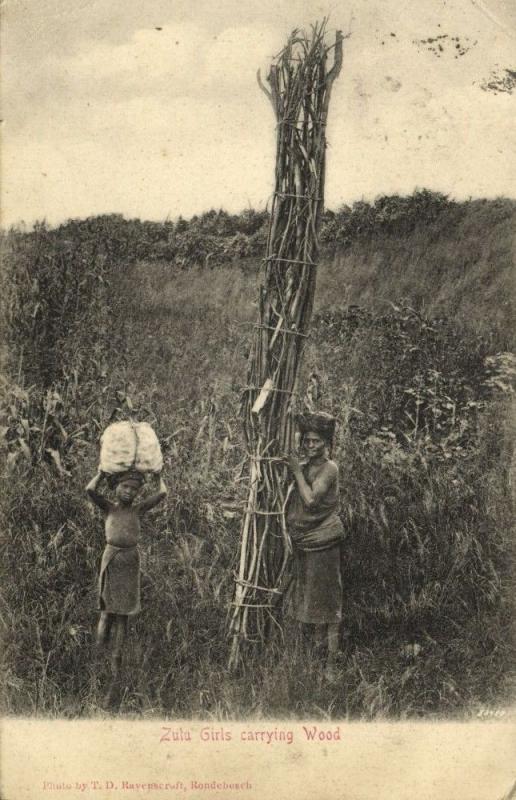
<point x="119" y="580"/>
<point x="314" y="594"/>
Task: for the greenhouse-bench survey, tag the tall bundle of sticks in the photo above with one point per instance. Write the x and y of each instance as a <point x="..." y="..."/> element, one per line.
<point x="300" y="84"/>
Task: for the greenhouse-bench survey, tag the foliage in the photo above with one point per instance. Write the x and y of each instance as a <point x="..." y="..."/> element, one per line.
<point x="425" y="447"/>
<point x="387" y="215"/>
<point x="217" y="237"/>
<point x="426" y="461"/>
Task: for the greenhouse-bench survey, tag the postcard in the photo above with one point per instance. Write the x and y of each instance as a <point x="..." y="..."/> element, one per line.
<point x="257" y="400"/>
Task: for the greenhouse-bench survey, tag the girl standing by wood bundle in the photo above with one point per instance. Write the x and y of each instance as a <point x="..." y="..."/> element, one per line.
<point x="314" y="596"/>
<point x="119" y="580"/>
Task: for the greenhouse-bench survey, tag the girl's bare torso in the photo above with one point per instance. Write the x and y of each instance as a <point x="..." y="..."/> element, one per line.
<point x="122" y="526"/>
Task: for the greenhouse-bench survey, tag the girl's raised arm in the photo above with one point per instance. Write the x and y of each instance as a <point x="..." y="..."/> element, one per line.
<point x="154" y="499"/>
<point x="99" y="499"/>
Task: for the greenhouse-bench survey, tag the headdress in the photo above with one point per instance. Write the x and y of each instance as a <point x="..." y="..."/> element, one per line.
<point x="319" y="422"/>
<point x="131" y="477"/>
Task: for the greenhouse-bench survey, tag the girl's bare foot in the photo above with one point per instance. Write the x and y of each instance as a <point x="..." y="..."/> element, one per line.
<point x="111" y="701"/>
<point x="331" y="673"/>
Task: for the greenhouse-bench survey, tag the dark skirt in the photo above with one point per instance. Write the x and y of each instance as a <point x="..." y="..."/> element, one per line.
<point x="119" y="581"/>
<point x="314" y="594"/>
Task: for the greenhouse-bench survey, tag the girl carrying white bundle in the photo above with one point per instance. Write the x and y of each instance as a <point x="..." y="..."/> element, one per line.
<point x="119" y="579"/>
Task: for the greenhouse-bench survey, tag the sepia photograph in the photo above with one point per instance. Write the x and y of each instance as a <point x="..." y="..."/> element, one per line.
<point x="257" y="406"/>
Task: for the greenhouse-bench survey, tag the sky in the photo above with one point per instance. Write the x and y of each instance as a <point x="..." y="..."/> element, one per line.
<point x="151" y="108"/>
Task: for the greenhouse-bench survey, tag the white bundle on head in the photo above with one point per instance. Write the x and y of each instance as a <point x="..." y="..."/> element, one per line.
<point x="130" y="445"/>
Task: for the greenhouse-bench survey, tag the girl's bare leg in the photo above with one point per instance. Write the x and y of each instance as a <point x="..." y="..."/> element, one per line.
<point x="104" y="628"/>
<point x="294" y="640"/>
<point x="319" y="640"/>
<point x="333" y="649"/>
<point x="117" y="651"/>
<point x="333" y="639"/>
<point x="320" y="636"/>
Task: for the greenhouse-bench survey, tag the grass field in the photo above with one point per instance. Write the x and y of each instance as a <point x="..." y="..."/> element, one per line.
<point x="410" y="348"/>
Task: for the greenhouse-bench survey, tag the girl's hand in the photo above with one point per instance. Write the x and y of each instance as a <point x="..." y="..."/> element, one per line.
<point x="99" y="477"/>
<point x="92" y="485"/>
<point x="294" y="463"/>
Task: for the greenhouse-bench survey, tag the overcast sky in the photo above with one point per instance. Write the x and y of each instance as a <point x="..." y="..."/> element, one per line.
<point x="151" y="108"/>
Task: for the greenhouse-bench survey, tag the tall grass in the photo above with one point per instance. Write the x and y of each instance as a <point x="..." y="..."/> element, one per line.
<point x="455" y="260"/>
<point x="424" y="448"/>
